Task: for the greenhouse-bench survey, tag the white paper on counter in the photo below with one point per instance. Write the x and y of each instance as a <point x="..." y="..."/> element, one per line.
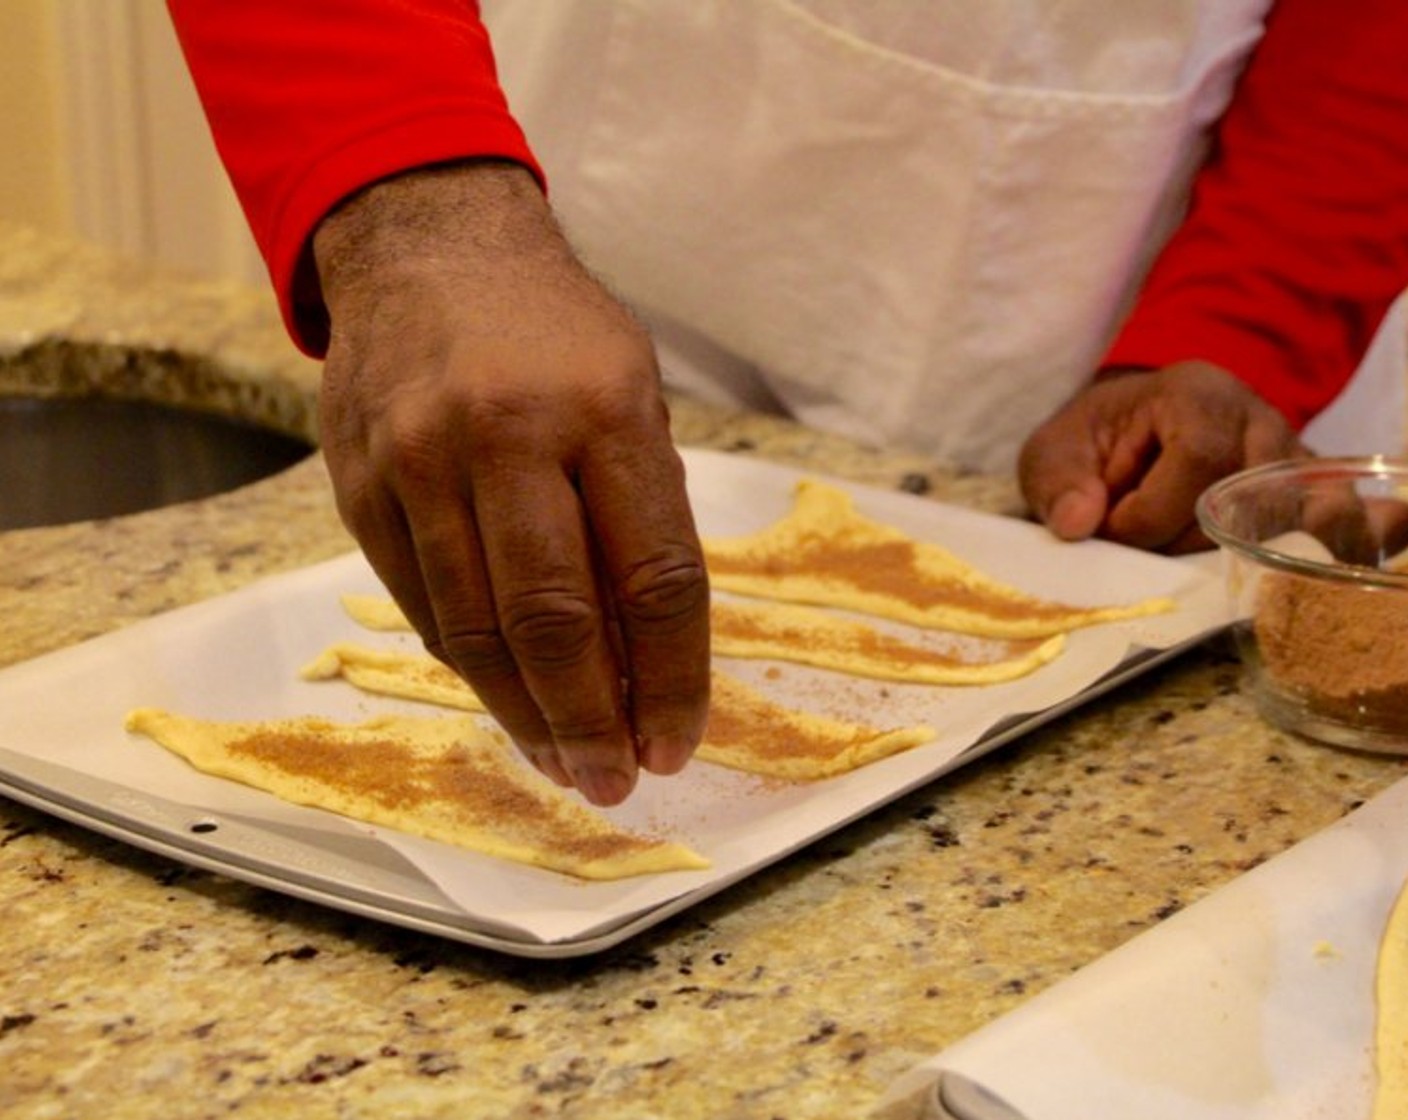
<point x="1256" y="1003"/>
<point x="238" y="656"/>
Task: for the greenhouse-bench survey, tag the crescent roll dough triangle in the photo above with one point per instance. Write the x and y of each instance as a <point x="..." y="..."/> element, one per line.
<point x="375" y="612"/>
<point x="445" y="778"/>
<point x="825" y="553"/>
<point x="410" y="676"/>
<point x="1391" y="1030"/>
<point x="760" y="631"/>
<point x="746" y="731"/>
<point x="782" y="632"/>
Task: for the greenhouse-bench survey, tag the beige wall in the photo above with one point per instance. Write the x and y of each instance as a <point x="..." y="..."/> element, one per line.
<point x="33" y="183"/>
<point x="102" y="137"/>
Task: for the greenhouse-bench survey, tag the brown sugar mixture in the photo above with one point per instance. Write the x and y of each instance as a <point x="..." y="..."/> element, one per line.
<point x="1341" y="647"/>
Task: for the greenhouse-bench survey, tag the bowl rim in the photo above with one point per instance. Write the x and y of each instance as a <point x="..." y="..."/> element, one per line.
<point x="1326" y="467"/>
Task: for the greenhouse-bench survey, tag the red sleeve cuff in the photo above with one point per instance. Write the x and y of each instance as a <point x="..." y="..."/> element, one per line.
<point x="1266" y="363"/>
<point x="312" y="100"/>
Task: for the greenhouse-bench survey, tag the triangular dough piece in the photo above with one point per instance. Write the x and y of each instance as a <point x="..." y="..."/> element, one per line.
<point x="782" y="632"/>
<point x="445" y="778"/>
<point x="746" y="731"/>
<point x="759" y="631"/>
<point x="1391" y="1033"/>
<point x="826" y="554"/>
<point x="749" y="732"/>
<point x="390" y="673"/>
<point x="375" y="612"/>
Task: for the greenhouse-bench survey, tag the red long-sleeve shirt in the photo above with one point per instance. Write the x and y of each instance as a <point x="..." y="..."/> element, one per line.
<point x="1296" y="241"/>
<point x="1295" y="244"/>
<point x="310" y="101"/>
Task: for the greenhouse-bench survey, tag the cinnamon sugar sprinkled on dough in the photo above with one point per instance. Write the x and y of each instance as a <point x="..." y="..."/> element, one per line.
<point x="445" y="778"/>
<point x="731" y="621"/>
<point x="749" y="732"/>
<point x="749" y="718"/>
<point x="818" y="638"/>
<point x="466" y="784"/>
<point x="825" y="553"/>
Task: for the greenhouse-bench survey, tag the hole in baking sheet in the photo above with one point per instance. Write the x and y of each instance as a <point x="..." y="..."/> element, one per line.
<point x="203" y="826"/>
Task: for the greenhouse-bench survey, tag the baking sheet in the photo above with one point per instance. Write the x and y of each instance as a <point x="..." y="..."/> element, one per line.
<point x="1256" y="1003"/>
<point x="62" y="745"/>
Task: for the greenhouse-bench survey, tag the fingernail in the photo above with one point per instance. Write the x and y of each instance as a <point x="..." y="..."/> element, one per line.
<point x="602" y="785"/>
<point x="665" y="755"/>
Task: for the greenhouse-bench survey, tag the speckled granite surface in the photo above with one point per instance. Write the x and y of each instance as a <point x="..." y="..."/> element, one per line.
<point x="133" y="986"/>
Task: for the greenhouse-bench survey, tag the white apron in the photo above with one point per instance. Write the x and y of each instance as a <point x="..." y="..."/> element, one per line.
<point x="914" y="222"/>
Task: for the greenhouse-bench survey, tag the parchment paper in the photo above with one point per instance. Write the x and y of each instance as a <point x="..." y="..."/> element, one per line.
<point x="1256" y="1003"/>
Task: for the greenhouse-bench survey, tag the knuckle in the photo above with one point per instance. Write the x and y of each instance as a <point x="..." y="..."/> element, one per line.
<point x="622" y="390"/>
<point x="669" y="588"/>
<point x="550" y="628"/>
<point x="587" y="729"/>
<point x="406" y="452"/>
<point x="473" y="653"/>
<point x="1204" y="455"/>
<point x="1209" y="448"/>
<point x="358" y="501"/>
<point x="485" y="408"/>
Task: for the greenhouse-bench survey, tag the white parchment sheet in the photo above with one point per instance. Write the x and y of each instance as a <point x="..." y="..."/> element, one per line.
<point x="238" y="656"/>
<point x="1256" y="1003"/>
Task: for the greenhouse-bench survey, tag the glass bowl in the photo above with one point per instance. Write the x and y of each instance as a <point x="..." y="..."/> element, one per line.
<point x="1317" y="579"/>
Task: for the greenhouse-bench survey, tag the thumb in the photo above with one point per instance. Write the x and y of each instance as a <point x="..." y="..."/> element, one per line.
<point x="1060" y="476"/>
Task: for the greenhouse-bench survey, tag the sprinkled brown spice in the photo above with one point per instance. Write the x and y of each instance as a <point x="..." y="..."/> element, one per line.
<point x="737" y="717"/>
<point x="888" y="568"/>
<point x="445" y="778"/>
<point x="389" y="772"/>
<point x="749" y="732"/>
<point x="817" y="638"/>
<point x="824" y="553"/>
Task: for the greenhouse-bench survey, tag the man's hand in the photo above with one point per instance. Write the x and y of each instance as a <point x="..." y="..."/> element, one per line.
<point x="494" y="427"/>
<point x="1128" y="456"/>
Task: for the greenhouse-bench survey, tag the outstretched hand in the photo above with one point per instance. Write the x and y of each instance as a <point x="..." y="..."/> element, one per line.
<point x="494" y="427"/>
<point x="1128" y="456"/>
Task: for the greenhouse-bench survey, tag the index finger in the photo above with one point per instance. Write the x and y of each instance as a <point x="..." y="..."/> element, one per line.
<point x="659" y="589"/>
<point x="1059" y="470"/>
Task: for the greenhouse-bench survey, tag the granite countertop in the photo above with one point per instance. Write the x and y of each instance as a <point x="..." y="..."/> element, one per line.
<point x="136" y="986"/>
